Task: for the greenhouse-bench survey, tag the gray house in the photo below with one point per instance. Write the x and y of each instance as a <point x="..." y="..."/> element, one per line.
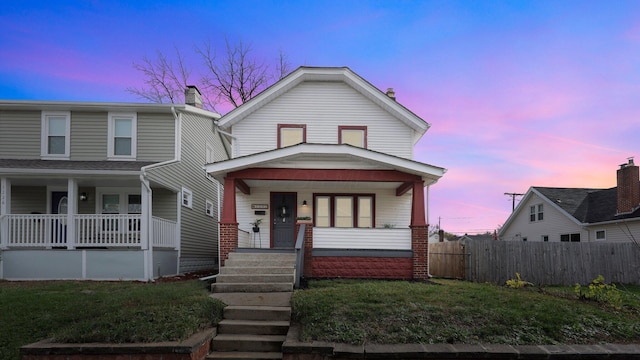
<point x="107" y="190"/>
<point x="579" y="214"/>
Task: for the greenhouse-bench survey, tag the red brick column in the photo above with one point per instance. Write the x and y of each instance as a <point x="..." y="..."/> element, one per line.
<point x="228" y="240"/>
<point x="420" y="247"/>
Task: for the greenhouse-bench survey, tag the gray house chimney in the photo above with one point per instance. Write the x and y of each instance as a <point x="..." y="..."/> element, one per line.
<point x="391" y="93"/>
<point x="628" y="190"/>
<point x="192" y="96"/>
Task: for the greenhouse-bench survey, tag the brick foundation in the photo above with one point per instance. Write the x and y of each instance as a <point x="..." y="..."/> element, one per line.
<point x="228" y="240"/>
<point x="420" y="247"/>
<point x="362" y="267"/>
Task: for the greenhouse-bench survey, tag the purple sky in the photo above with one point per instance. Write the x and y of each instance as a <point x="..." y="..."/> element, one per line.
<point x="518" y="93"/>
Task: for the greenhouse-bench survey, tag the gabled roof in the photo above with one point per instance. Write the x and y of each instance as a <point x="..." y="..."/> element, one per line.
<point x="301" y="152"/>
<point x="329" y="74"/>
<point x="583" y="206"/>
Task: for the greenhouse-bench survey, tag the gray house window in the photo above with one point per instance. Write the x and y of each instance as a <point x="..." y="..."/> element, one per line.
<point x="570" y="237"/>
<point x="601" y="235"/>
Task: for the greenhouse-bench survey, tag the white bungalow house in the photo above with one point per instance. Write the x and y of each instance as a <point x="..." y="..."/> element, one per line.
<point x="579" y="214"/>
<point x="107" y="191"/>
<point x="324" y="147"/>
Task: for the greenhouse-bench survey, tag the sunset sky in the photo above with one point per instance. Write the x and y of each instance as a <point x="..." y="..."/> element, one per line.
<point x="518" y="93"/>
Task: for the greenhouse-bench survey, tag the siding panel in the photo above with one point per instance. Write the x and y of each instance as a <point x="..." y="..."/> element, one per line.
<point x="156" y="137"/>
<point x="20" y="134"/>
<point x="323" y="106"/>
<point x="88" y="136"/>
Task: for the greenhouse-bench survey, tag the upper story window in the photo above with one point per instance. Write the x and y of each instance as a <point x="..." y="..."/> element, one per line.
<point x="291" y="134"/>
<point x="353" y="135"/>
<point x="56" y="133"/>
<point x="122" y="136"/>
<point x="536" y="213"/>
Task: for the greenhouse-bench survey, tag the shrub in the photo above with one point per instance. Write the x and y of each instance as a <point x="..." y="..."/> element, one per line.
<point x="517" y="283"/>
<point x="601" y="292"/>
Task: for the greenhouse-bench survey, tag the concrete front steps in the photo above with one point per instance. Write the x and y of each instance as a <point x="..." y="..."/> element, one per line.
<point x="257" y="289"/>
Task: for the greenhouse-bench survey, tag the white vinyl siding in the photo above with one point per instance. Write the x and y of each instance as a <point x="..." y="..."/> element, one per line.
<point x="323" y="107"/>
<point x="372" y="239"/>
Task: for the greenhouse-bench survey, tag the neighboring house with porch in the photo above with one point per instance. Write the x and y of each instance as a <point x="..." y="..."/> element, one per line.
<point x="325" y="148"/>
<point x="579" y="214"/>
<point x="92" y="190"/>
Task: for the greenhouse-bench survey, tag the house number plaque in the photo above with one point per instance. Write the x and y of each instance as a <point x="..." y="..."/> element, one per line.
<point x="259" y="206"/>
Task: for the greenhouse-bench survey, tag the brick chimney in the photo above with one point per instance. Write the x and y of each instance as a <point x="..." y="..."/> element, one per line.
<point x="192" y="96"/>
<point x="628" y="187"/>
<point x="391" y="93"/>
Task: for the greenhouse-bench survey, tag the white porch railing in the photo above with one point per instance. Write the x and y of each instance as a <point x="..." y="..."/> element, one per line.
<point x="95" y="230"/>
<point x="164" y="232"/>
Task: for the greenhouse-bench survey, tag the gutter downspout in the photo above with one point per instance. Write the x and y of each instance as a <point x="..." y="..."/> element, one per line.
<point x="146" y="228"/>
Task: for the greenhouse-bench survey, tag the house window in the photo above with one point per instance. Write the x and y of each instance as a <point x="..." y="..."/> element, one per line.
<point x="291" y="134"/>
<point x="208" y="207"/>
<point x="545" y="238"/>
<point x="56" y="133"/>
<point x="134" y="204"/>
<point x="536" y="213"/>
<point x="601" y="235"/>
<point x="353" y="135"/>
<point x="570" y="237"/>
<point x="344" y="211"/>
<point x="122" y="136"/>
<point x="187" y="198"/>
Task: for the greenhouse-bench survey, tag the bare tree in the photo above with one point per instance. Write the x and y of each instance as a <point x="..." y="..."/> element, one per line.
<point x="164" y="80"/>
<point x="232" y="78"/>
<point x="238" y="76"/>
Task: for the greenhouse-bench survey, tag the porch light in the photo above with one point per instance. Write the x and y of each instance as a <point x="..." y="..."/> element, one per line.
<point x="304" y="203"/>
<point x="83" y="196"/>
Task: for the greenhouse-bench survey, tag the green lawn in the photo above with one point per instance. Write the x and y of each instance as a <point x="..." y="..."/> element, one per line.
<point x="449" y="311"/>
<point x="118" y="312"/>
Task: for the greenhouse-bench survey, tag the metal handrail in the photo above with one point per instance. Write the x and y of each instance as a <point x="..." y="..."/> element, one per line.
<point x="300" y="255"/>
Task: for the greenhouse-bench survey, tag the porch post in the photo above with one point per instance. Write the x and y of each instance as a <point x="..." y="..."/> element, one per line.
<point x="72" y="210"/>
<point x="5" y="209"/>
<point x="228" y="221"/>
<point x="146" y="227"/>
<point x="419" y="233"/>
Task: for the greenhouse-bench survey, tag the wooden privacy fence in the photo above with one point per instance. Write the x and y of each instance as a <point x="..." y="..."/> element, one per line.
<point x="447" y="260"/>
<point x="551" y="263"/>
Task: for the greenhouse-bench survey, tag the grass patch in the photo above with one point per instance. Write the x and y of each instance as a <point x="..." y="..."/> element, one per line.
<point x="448" y="311"/>
<point x="115" y="312"/>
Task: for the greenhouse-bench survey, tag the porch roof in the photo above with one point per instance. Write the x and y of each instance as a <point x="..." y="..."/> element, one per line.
<point x="326" y="156"/>
<point x="88" y="173"/>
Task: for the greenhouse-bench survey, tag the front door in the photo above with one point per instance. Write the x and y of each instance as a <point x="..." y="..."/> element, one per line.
<point x="59" y="204"/>
<point x="283" y="220"/>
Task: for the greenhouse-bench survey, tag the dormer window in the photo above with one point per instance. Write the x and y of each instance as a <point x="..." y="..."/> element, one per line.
<point x="353" y="135"/>
<point x="122" y="136"/>
<point x="291" y="134"/>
